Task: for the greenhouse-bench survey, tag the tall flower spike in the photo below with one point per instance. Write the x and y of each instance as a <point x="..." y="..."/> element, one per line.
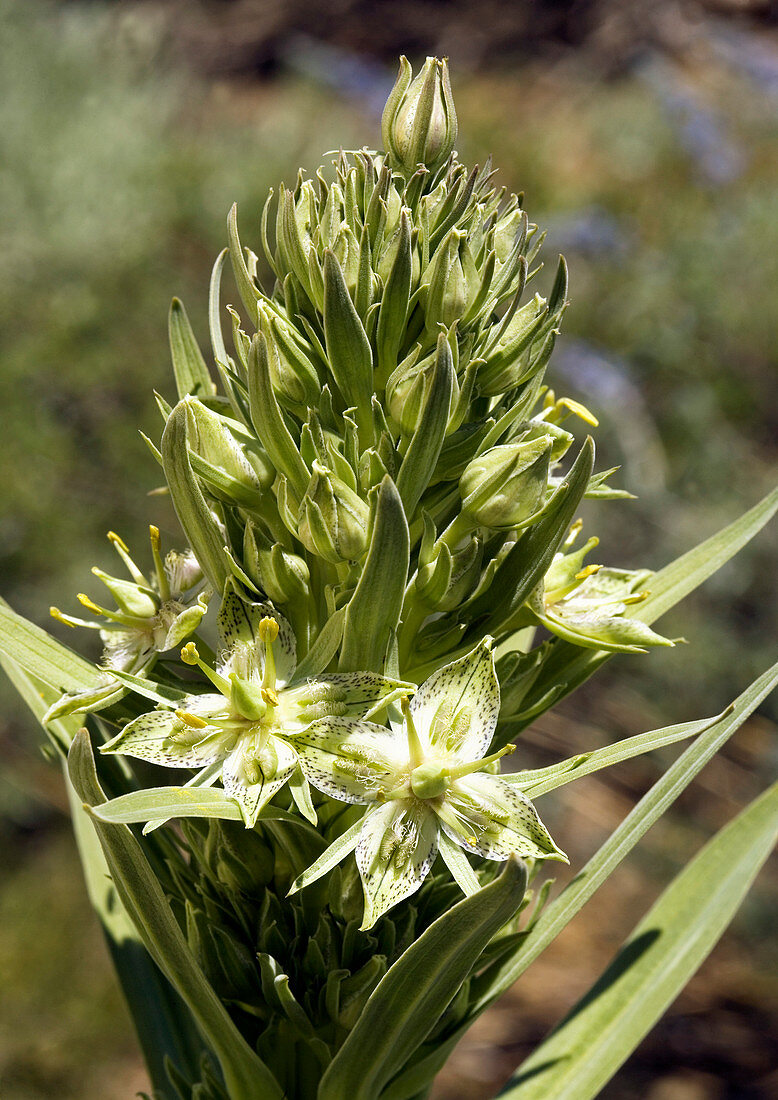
<point x="424" y="779"/>
<point x="244" y="732"/>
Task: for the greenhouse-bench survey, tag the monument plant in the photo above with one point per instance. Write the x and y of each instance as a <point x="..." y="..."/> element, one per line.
<point x="287" y="773"/>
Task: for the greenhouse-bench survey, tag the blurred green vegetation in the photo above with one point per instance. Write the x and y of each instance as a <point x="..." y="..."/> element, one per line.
<point x="117" y="168"/>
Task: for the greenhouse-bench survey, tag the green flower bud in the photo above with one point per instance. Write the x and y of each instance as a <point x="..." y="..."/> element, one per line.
<point x="284" y="576"/>
<point x="450" y="286"/>
<point x="508" y="363"/>
<point x="406" y="390"/>
<point x="211" y="439"/>
<point x="445" y="582"/>
<point x="292" y="373"/>
<point x="333" y="520"/>
<point x="506" y="486"/>
<point x="419" y="124"/>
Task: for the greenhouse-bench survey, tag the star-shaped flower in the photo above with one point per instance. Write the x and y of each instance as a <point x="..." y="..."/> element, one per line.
<point x="586" y="605"/>
<point x="151" y="616"/>
<point x="427" y="785"/>
<point x="241" y="733"/>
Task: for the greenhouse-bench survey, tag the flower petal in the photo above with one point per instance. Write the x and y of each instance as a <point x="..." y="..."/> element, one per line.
<point x="162" y="738"/>
<point x="335" y="695"/>
<point x="349" y="759"/>
<point x="397" y="846"/>
<point x="238" y="622"/>
<point x="252" y="778"/>
<point x="486" y="816"/>
<point x="456" y="708"/>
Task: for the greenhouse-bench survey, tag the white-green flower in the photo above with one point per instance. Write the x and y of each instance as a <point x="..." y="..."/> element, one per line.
<point x="240" y="733"/>
<point x="586" y="605"/>
<point x="151" y="616"/>
<point x="426" y="784"/>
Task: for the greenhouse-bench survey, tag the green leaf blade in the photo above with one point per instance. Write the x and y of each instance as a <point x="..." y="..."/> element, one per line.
<point x="661" y="955"/>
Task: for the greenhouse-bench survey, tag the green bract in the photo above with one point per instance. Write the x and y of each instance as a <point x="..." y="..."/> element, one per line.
<point x="378" y="490"/>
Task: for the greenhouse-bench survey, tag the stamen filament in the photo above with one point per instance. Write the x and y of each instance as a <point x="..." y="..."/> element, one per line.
<point x="117" y="616"/>
<point x="460" y="770"/>
<point x="159" y="565"/>
<point x="268" y="632"/>
<point x="123" y="550"/>
<point x="190" y="656"/>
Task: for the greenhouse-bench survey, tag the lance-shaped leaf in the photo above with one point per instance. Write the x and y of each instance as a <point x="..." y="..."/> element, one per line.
<point x="425" y="446"/>
<point x="528" y="560"/>
<point x="164" y="1025"/>
<point x="582" y="1054"/>
<point x="559" y="913"/>
<point x="569" y="666"/>
<point x="415" y="992"/>
<point x="348" y="348"/>
<point x="193" y="513"/>
<point x="373" y="612"/>
<point x="189" y="367"/>
<point x="393" y="312"/>
<point x="245" y="1075"/>
<point x="166" y="802"/>
<point x="543" y="780"/>
<point x="247" y="288"/>
<point x="268" y="419"/>
<point x="44" y="657"/>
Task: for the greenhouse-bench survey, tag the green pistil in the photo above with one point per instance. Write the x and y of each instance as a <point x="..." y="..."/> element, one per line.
<point x="415" y="749"/>
<point x="268" y="632"/>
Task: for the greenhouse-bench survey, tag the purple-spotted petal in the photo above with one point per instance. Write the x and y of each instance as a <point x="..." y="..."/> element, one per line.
<point x="351" y="760"/>
<point x="253" y="777"/>
<point x="396" y="848"/>
<point x="456" y="708"/>
<point x="486" y="816"/>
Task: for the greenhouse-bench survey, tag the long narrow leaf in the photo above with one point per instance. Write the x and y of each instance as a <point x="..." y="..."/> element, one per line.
<point x="43" y="656"/>
<point x="661" y="955"/>
<point x="163" y="1022"/>
<point x="650" y="808"/>
<point x="189" y="367"/>
<point x="246" y="1076"/>
<point x="415" y="992"/>
<point x="543" y="780"/>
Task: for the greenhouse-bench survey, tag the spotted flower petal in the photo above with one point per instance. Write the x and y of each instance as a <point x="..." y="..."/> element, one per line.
<point x="252" y="776"/>
<point x="238" y="626"/>
<point x="456" y="709"/>
<point x="486" y="816"/>
<point x="350" y="760"/>
<point x="397" y="846"/>
<point x="161" y="737"/>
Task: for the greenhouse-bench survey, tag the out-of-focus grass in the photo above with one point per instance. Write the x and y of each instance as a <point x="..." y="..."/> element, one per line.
<point x="117" y="168"/>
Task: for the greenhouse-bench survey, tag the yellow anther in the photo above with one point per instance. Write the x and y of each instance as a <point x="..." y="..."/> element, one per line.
<point x="510" y="749"/>
<point x="270" y="695"/>
<point x="189" y="654"/>
<point x="579" y="410"/>
<point x="192" y="720"/>
<point x="154" y="536"/>
<point x="472" y="840"/>
<point x="89" y="604"/>
<point x="57" y="614"/>
<point x="636" y="597"/>
<point x="587" y="571"/>
<point x="117" y="540"/>
<point x="268" y="630"/>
